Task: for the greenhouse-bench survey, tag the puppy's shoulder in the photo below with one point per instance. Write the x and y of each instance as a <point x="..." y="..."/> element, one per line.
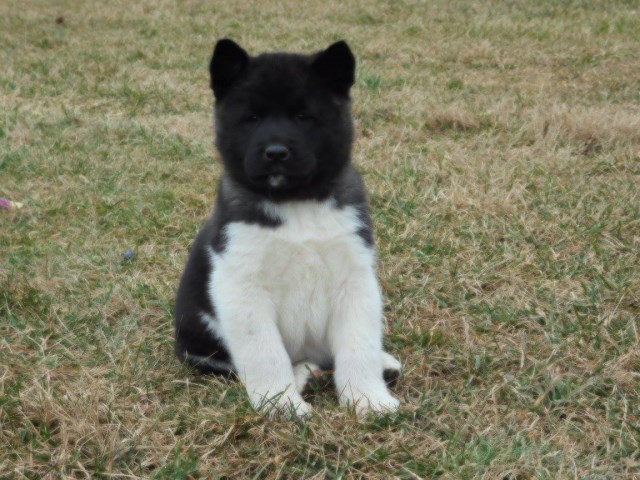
<point x="351" y="192"/>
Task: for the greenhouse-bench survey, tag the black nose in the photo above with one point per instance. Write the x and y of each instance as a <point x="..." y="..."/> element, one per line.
<point x="276" y="153"/>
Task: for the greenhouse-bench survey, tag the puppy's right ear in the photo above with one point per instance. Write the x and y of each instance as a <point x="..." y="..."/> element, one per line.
<point x="337" y="66"/>
<point x="228" y="63"/>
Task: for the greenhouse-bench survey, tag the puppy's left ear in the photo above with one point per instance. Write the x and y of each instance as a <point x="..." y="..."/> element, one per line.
<point x="228" y="64"/>
<point x="337" y="66"/>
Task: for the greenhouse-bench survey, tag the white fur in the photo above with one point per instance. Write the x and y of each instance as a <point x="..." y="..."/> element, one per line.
<point x="305" y="291"/>
<point x="211" y="323"/>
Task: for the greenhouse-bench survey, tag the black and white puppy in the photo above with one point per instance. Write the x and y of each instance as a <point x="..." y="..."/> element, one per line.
<point x="281" y="281"/>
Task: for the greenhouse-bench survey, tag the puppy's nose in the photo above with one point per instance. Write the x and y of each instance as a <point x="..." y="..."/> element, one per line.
<point x="276" y="153"/>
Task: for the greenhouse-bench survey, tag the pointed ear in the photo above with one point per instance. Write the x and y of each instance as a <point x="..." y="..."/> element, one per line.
<point x="228" y="63"/>
<point x="337" y="66"/>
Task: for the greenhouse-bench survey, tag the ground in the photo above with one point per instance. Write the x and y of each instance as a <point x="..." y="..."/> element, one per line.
<point x="500" y="142"/>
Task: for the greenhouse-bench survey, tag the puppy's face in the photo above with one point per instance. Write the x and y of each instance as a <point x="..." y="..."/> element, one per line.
<point x="283" y="121"/>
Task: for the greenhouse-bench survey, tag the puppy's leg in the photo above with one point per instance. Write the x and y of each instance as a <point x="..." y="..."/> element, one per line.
<point x="356" y="341"/>
<point x="257" y="350"/>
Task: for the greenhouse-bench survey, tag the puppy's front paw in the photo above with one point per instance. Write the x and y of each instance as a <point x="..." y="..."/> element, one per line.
<point x="375" y="402"/>
<point x="296" y="409"/>
<point x="287" y="404"/>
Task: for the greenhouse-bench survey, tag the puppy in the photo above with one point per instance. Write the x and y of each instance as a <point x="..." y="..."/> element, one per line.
<point x="281" y="281"/>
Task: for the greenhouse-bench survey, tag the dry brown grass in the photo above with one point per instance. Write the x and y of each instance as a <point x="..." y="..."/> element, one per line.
<point x="501" y="145"/>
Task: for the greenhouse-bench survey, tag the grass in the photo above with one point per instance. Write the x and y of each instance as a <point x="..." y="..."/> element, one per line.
<point x="500" y="142"/>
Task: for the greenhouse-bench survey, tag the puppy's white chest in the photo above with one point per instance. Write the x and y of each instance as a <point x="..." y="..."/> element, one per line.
<point x="315" y="240"/>
<point x="301" y="265"/>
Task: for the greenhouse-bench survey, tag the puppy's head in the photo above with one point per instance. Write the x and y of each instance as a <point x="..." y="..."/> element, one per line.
<point x="283" y="120"/>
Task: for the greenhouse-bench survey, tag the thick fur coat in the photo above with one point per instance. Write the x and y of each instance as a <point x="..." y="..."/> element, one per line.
<point x="281" y="281"/>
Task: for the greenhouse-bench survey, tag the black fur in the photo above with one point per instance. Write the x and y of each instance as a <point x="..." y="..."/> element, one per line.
<point x="299" y="102"/>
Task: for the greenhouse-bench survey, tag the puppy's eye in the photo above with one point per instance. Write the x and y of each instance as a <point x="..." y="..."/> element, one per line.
<point x="302" y="117"/>
<point x="252" y="118"/>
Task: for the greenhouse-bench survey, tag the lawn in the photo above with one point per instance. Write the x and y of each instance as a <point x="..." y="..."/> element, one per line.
<point x="500" y="142"/>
